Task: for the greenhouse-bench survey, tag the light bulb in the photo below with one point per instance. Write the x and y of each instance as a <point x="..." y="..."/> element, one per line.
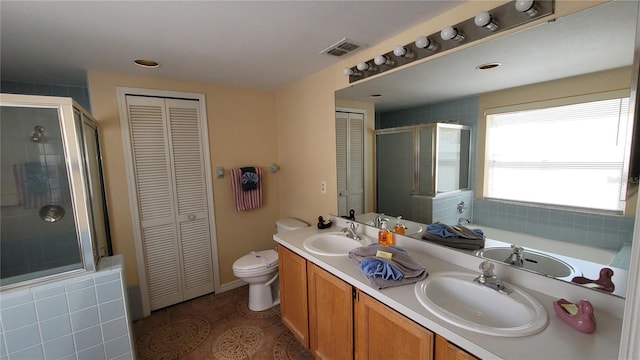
<point x="399" y="51"/>
<point x="362" y="66"/>
<point x="380" y="60"/>
<point x="484" y="19"/>
<point x="423" y="42"/>
<point x="451" y="33"/>
<point x="527" y="7"/>
<point x="347" y="71"/>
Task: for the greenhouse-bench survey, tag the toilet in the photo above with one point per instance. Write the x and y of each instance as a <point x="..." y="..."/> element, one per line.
<point x="260" y="270"/>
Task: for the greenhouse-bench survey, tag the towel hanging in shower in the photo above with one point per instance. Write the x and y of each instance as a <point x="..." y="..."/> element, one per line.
<point x="246" y="199"/>
<point x="32" y="184"/>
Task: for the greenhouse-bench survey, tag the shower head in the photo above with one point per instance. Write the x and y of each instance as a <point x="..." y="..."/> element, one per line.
<point x="38" y="134"/>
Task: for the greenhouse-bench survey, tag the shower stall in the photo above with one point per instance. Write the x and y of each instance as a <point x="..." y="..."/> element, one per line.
<point x="53" y="219"/>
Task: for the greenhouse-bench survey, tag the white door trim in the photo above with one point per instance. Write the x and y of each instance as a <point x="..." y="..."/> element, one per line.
<point x="126" y="140"/>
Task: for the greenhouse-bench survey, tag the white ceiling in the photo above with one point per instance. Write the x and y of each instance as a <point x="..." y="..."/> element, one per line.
<point x="255" y="44"/>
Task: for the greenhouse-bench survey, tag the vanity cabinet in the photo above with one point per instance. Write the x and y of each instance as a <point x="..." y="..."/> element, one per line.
<point x="382" y="333"/>
<point x="334" y="320"/>
<point x="293" y="294"/>
<point x="447" y="351"/>
<point x="330" y="315"/>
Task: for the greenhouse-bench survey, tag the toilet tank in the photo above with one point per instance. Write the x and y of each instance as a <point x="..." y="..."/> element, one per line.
<point x="289" y="224"/>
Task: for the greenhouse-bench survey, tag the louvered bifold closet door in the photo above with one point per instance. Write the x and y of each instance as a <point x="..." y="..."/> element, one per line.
<point x="350" y="162"/>
<point x="342" y="120"/>
<point x="155" y="193"/>
<point x="191" y="200"/>
<point x="356" y="163"/>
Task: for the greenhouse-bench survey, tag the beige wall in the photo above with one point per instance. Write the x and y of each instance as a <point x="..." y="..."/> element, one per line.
<point x="242" y="131"/>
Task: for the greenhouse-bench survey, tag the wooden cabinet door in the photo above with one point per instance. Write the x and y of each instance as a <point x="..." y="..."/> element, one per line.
<point x="447" y="351"/>
<point x="330" y="315"/>
<point x="382" y="333"/>
<point x="293" y="294"/>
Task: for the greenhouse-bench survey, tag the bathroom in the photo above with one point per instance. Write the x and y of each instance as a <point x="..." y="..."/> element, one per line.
<point x="232" y="112"/>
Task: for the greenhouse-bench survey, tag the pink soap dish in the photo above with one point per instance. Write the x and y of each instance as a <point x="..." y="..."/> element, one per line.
<point x="579" y="316"/>
<point x="603" y="282"/>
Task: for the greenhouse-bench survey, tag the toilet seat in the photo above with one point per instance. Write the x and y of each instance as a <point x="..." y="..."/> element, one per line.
<point x="256" y="263"/>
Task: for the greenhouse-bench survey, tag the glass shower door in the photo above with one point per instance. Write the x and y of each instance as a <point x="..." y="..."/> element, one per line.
<point x="38" y="234"/>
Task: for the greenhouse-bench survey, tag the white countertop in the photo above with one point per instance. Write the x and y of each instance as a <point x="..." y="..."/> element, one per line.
<point x="557" y="341"/>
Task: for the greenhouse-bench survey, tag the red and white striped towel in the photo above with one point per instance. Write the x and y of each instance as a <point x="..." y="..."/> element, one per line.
<point x="246" y="200"/>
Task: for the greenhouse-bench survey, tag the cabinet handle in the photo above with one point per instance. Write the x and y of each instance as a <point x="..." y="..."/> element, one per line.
<point x="192" y="217"/>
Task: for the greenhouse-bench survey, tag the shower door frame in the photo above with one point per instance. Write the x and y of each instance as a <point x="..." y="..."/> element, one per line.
<point x="75" y="172"/>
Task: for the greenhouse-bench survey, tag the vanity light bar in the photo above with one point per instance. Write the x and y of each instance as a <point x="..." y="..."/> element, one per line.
<point x="502" y="18"/>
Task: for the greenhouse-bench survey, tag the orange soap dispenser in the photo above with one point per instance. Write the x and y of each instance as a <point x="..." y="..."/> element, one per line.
<point x="399" y="228"/>
<point x="385" y="237"/>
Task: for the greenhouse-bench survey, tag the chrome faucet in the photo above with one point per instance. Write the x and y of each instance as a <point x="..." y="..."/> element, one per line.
<point x="488" y="279"/>
<point x="517" y="256"/>
<point x="377" y="222"/>
<point x="350" y="230"/>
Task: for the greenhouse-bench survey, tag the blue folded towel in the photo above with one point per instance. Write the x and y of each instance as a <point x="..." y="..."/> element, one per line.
<point x="381" y="269"/>
<point x="249" y="178"/>
<point x="381" y="272"/>
<point x="448" y="231"/>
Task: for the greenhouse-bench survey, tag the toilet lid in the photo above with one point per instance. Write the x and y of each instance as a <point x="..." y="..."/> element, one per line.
<point x="256" y="260"/>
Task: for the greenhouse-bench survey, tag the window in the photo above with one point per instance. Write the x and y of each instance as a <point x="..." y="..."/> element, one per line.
<point x="571" y="155"/>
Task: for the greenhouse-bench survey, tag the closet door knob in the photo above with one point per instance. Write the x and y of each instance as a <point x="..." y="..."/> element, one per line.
<point x="192" y="217"/>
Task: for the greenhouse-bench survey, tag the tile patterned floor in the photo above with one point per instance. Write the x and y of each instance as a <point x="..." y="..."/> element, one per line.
<point x="216" y="327"/>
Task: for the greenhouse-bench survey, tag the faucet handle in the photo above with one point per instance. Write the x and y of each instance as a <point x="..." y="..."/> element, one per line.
<point x="487" y="268"/>
<point x="516" y="249"/>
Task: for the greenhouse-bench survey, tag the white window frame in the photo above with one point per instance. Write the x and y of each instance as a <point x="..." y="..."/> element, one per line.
<point x="556" y="103"/>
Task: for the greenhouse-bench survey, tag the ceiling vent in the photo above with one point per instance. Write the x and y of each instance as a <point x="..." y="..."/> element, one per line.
<point x="342" y="47"/>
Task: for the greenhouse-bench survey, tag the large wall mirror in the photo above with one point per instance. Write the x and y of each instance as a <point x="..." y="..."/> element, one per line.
<point x="587" y="55"/>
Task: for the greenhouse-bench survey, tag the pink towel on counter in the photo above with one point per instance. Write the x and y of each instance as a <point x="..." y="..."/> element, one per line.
<point x="246" y="199"/>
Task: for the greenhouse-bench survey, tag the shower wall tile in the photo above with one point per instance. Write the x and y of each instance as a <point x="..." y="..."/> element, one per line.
<point x="81" y="299"/>
<point x="80" y="284"/>
<point x="111" y="310"/>
<point x="611" y="232"/>
<point x="115" y="328"/>
<point x="52" y="307"/>
<point x="35" y="352"/>
<point x="62" y="319"/>
<point x="109" y="291"/>
<point x="22" y="338"/>
<point x="88" y="338"/>
<point x="55" y="327"/>
<point x="94" y="353"/>
<point x="117" y="347"/>
<point x="59" y="347"/>
<point x="84" y="319"/>
<point x="18" y="316"/>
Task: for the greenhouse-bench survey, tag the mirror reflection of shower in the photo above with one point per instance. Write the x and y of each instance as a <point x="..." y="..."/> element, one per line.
<point x="37" y="135"/>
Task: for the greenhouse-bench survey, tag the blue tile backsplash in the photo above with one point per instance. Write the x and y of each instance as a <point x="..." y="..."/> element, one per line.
<point x="78" y="93"/>
<point x="597" y="230"/>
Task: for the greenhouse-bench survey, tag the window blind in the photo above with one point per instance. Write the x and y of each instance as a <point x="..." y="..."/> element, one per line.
<point x="571" y="155"/>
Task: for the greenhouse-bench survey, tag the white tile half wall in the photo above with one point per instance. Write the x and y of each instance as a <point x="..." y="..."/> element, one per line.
<point x="83" y="317"/>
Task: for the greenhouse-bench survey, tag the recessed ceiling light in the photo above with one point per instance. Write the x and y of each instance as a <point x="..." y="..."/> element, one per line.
<point x="488" y="66"/>
<point x="147" y="64"/>
<point x="375" y="96"/>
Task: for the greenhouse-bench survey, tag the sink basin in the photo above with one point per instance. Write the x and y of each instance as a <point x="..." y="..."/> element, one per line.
<point x="534" y="261"/>
<point x="455" y="298"/>
<point x="333" y="244"/>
